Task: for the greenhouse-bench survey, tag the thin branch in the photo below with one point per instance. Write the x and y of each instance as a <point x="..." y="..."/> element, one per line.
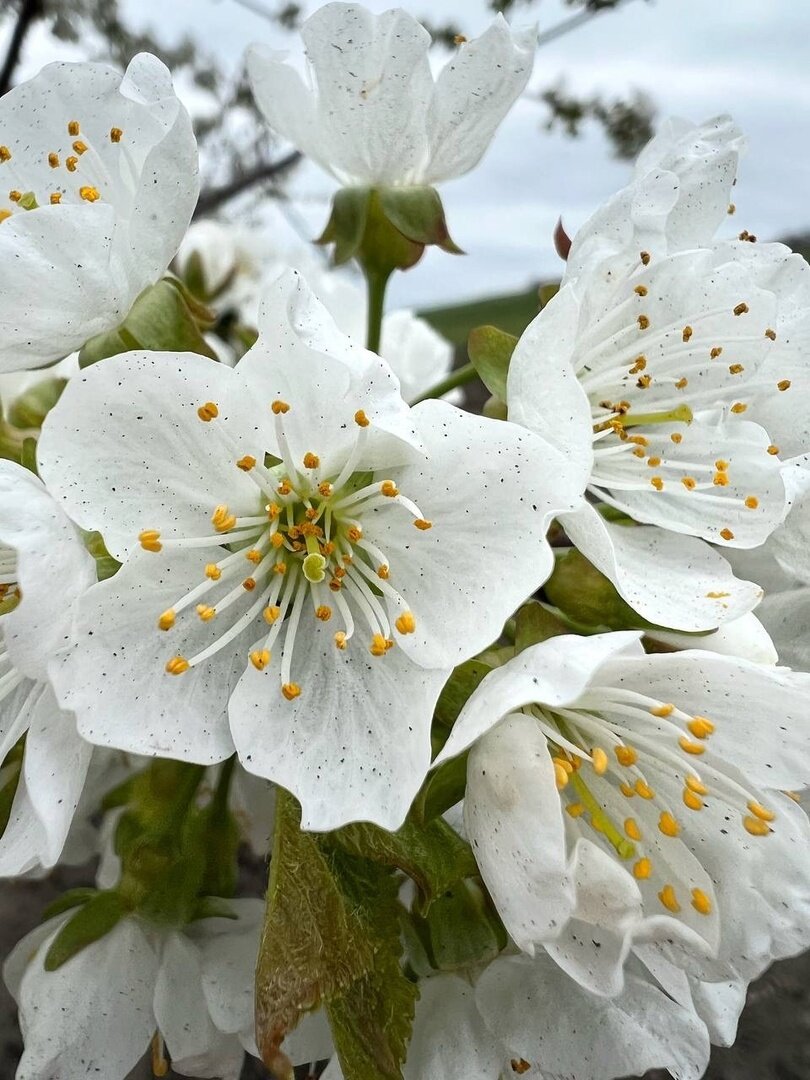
<point x="29" y="10"/>
<point x="571" y="23"/>
<point x="214" y="197"/>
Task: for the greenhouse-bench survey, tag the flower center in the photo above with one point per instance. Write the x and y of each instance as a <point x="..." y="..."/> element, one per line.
<point x="304" y="547"/>
<point x="615" y="745"/>
<point x="72" y="172"/>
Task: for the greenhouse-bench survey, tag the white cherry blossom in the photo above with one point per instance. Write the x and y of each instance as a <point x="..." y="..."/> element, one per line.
<point x="326" y="589"/>
<point x="616" y="798"/>
<point x="98" y="180"/>
<point x="371" y="112"/>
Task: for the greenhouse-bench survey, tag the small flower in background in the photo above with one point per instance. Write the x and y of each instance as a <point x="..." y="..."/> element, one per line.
<point x="98" y="181"/>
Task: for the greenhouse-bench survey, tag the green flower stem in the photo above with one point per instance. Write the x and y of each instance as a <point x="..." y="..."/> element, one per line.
<point x="460" y="377"/>
<point x="377" y="282"/>
<point x="219" y="803"/>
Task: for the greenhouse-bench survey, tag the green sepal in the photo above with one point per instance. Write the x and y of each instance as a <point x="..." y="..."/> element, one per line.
<point x="347" y="223"/>
<point x="589" y="599"/>
<point x="162" y="319"/>
<point x="456" y="690"/>
<point x="535" y="623"/>
<point x="213" y="907"/>
<point x="28" y="455"/>
<point x="494" y="408"/>
<point x="432" y="854"/>
<point x="221" y="833"/>
<point x="68" y="900"/>
<point x="106" y="565"/>
<point x="97" y="917"/>
<point x="462" y="929"/>
<point x="12" y="768"/>
<point x="444" y="787"/>
<point x="490" y="351"/>
<point x="31" y="407"/>
<point x="417" y="213"/>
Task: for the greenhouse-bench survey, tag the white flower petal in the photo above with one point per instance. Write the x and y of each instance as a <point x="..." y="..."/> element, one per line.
<point x="180" y="1007"/>
<point x="228" y="953"/>
<point x="671" y="580"/>
<point x="745" y="638"/>
<point x="288" y="105"/>
<point x="419" y="357"/>
<point x="490" y="490"/>
<point x="450" y="1040"/>
<point x="786" y="617"/>
<point x="355" y="746"/>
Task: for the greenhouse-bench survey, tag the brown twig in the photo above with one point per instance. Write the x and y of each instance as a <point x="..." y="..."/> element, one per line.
<point x="214" y="197"/>
<point x="29" y="10"/>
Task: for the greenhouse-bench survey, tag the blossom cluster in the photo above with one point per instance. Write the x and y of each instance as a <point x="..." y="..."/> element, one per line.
<point x="489" y="690"/>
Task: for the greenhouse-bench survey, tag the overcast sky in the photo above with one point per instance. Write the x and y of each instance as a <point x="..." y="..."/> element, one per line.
<point x="695" y="58"/>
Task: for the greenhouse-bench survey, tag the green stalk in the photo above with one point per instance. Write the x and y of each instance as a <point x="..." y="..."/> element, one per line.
<point x="459" y="377"/>
<point x="377" y="282"/>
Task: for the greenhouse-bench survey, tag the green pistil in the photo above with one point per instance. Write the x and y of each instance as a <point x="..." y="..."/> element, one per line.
<point x="28" y="201"/>
<point x="682" y="414"/>
<point x="625" y="849"/>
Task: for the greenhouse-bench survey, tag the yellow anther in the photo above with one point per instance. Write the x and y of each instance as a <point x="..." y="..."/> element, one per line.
<point x="741" y="309"/>
<point x="632" y="829"/>
<point x="739" y="407"/>
<point x="638" y="452"/>
<point x="667" y="824"/>
<point x="727" y="534"/>
<point x="280" y="407"/>
<point x="691" y="800"/>
<point x="669" y="899"/>
<point x="55" y="198"/>
<point x="564" y="763"/>
<point x="177" y="665"/>
<point x="79" y="147"/>
<point x="422" y="524"/>
<point x="53" y="160"/>
<point x="751" y="502"/>
<point x="689" y="482"/>
<point x="277" y="540"/>
<point x="735" y="369"/>
<point x="310" y="514"/>
<point x="761" y="812"/>
<point x="73" y="127"/>
<point x="246" y="463"/>
<point x="254" y="556"/>
<point x="773" y="450"/>
<point x="378" y="646"/>
<point x="209" y="411"/>
<point x="212" y="571"/>
<point x="682" y="383"/>
<point x="116" y="134"/>
<point x="311" y="461"/>
<point x="271" y="613"/>
<point x="89" y="193"/>
<point x="260" y="658"/>
<point x="715" y="352"/>
<point x="354" y="533"/>
<point x="625" y="755"/>
<point x="638" y="365"/>
<point x="639" y="440"/>
<point x="249" y="584"/>
<point x="696" y="785"/>
<point x="642" y="869"/>
<point x="783" y="384"/>
<point x="205" y="612"/>
<point x="166" y="620"/>
<point x="575" y="809"/>
<point x="4" y="215"/>
<point x="720" y="479"/>
<point x="732" y="208"/>
<point x="5" y="154"/>
<point x="222" y="519"/>
<point x="640" y="290"/>
<point x="325" y="489"/>
<point x="71" y="163"/>
<point x="643" y="322"/>
<point x="654" y="462"/>
<point x="643" y="789"/>
<point x="701" y="727"/>
<point x="285" y="487"/>
<point x="291" y="690"/>
<point x="280" y="568"/>
<point x="755" y="826"/>
<point x="643" y="382"/>
<point x="662" y="710"/>
<point x="657" y="483"/>
<point x="701" y="902"/>
<point x="383" y="572"/>
<point x="687" y="333"/>
<point x="560" y="776"/>
<point x="599" y="760"/>
<point x="327" y="548"/>
<point x="406" y="623"/>
<point x="150" y="540"/>
<point x="15" y="196"/>
<point x="340" y="573"/>
<point x="627" y="790"/>
<point x="690" y="747"/>
<point x="676" y="437"/>
<point x="389" y="489"/>
<point x="645" y="257"/>
<point x="361" y="419"/>
<point x="323" y="612"/>
<point x="340" y="639"/>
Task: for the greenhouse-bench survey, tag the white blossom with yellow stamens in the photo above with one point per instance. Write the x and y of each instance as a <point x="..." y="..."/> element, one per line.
<point x="290" y="526"/>
<point x="43" y="569"/>
<point x="616" y="799"/>
<point x="98" y="181"/>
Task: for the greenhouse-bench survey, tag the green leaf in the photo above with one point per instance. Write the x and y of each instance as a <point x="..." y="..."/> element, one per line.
<point x="213" y="907"/>
<point x="347" y="223"/>
<point x="90" y="923"/>
<point x="314" y="945"/>
<point x="417" y="212"/>
<point x="490" y="351"/>
<point x="433" y="855"/>
<point x="457" y="689"/>
<point x="160" y="320"/>
<point x="588" y="598"/>
<point x="444" y="787"/>
<point x="30" y="408"/>
<point x="535" y="623"/>
<point x="461" y="929"/>
<point x="371" y="1020"/>
<point x="70" y="899"/>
